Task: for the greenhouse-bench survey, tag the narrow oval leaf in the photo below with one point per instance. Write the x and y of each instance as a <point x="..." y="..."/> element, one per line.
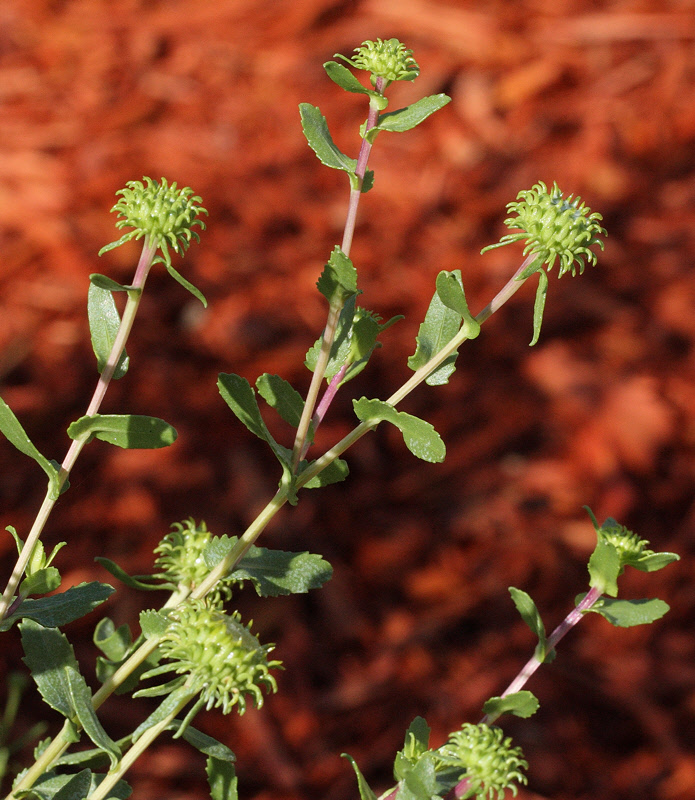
<point x="419" y="436"/>
<point x="130" y="431"/>
<point x="539" y="305"/>
<point x="406" y="118"/>
<point x="104" y="322"/>
<point x="282" y="396"/>
<point x="104" y="282"/>
<point x="450" y="290"/>
<point x="186" y="284"/>
<point x="16" y="435"/>
<point x="604" y="568"/>
<point x="440" y="326"/>
<point x="222" y="779"/>
<point x="655" y="561"/>
<point x="521" y="704"/>
<point x="344" y="78"/>
<point x="319" y="138"/>
<point x="365" y="792"/>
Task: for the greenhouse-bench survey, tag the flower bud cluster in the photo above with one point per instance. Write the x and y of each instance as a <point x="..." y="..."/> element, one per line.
<point x="388" y="59"/>
<point x="221" y="659"/>
<point x="554" y="228"/>
<point x="164" y="214"/>
<point x="631" y="549"/>
<point x="491" y="764"/>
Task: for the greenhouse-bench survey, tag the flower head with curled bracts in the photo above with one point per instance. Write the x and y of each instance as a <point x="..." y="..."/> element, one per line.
<point x="554" y="228"/>
<point x="488" y="762"/>
<point x="388" y="59"/>
<point x="162" y="213"/>
<point x="216" y="655"/>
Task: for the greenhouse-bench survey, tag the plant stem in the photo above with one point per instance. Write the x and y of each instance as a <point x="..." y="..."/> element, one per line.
<point x="587" y="602"/>
<point x="134" y="295"/>
<point x="300" y="443"/>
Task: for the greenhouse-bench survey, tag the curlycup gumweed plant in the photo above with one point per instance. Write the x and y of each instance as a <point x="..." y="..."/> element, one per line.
<point x="193" y="651"/>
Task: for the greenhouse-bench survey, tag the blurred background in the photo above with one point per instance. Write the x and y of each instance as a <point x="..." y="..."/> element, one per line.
<point x="598" y="96"/>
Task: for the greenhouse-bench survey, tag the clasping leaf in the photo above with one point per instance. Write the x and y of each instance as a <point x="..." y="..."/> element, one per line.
<point x="130" y="431"/>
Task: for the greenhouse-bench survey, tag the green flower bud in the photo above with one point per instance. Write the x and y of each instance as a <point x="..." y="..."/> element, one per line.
<point x="488" y="761"/>
<point x="162" y="213"/>
<point x="222" y="659"/>
<point x="384" y="59"/>
<point x="553" y="227"/>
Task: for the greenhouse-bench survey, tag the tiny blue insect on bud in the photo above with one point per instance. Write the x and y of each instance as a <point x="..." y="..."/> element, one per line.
<point x="554" y="227"/>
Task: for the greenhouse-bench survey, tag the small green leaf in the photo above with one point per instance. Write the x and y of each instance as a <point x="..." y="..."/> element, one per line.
<point x="78" y="787"/>
<point x="440" y="326"/>
<point x="272" y="572"/>
<point x="319" y="138"/>
<point x="529" y="613"/>
<point x="181" y="280"/>
<point x="628" y="613"/>
<point x="345" y="79"/>
<point x="113" y="642"/>
<point x="335" y="472"/>
<point x="340" y="349"/>
<point x="655" y="561"/>
<point x="205" y="744"/>
<point x="15" y="434"/>
<point x="419" y="436"/>
<point x="52" y="663"/>
<point x="450" y="291"/>
<point x="521" y="704"/>
<point x="417" y="739"/>
<point x="41" y="582"/>
<point x="406" y="118"/>
<point x="222" y="779"/>
<point x="104" y="322"/>
<point x="153" y="624"/>
<point x="59" y="609"/>
<point x="539" y="305"/>
<point x="365" y="792"/>
<point x="604" y="568"/>
<point x="145" y="583"/>
<point x="338" y="281"/>
<point x="282" y="396"/>
<point x="109" y="284"/>
<point x="130" y="431"/>
<point x="420" y="782"/>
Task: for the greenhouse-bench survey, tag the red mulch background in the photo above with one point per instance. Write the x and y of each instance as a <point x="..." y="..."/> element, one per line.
<point x="597" y="96"/>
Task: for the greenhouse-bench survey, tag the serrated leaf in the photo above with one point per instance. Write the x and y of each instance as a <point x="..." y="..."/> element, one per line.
<point x="153" y="624"/>
<point x="186" y="284"/>
<point x="53" y="665"/>
<point x="335" y="472"/>
<point x="416" y="743"/>
<point x="604" y="568"/>
<point x="628" y="613"/>
<point x="406" y="118"/>
<point x="16" y="435"/>
<point x="104" y="322"/>
<point x="340" y="348"/>
<point x="319" y="138"/>
<point x="345" y="79"/>
<point x="282" y="396"/>
<point x="59" y="609"/>
<point x="272" y="572"/>
<point x="338" y="281"/>
<point x="419" y="436"/>
<point x="50" y="784"/>
<point x="365" y="792"/>
<point x="130" y="431"/>
<point x="522" y="704"/>
<point x="113" y="642"/>
<point x="439" y="327"/>
<point x="222" y="779"/>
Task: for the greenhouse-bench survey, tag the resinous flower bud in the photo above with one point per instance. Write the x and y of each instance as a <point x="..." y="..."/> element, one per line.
<point x="388" y="59"/>
<point x="554" y="227"/>
<point x="489" y="763"/>
<point x="221" y="659"/>
<point x="162" y="213"/>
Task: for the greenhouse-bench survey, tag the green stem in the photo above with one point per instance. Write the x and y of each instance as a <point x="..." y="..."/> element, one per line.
<point x="134" y="295"/>
<point x="115" y="774"/>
